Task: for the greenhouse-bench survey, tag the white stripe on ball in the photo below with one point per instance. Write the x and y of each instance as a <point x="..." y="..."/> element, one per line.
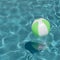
<point x="42" y="29"/>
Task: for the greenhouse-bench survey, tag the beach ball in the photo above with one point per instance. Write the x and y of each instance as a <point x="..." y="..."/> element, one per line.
<point x="40" y="27"/>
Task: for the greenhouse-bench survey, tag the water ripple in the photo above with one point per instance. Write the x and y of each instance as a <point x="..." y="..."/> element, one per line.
<point x="16" y="17"/>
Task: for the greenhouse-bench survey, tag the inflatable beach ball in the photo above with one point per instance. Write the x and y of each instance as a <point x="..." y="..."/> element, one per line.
<point x="40" y="27"/>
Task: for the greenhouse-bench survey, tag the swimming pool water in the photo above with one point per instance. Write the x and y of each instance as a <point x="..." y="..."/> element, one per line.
<point x="16" y="17"/>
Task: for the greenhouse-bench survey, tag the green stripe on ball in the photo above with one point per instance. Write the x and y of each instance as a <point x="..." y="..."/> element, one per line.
<point x="35" y="28"/>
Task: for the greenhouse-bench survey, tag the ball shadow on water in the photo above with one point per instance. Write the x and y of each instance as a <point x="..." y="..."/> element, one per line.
<point x="34" y="47"/>
<point x="29" y="47"/>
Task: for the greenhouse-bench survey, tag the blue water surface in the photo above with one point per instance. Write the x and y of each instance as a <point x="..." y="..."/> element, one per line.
<point x="16" y="17"/>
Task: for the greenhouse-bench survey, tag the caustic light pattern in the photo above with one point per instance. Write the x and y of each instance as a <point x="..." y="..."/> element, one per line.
<point x="16" y="17"/>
